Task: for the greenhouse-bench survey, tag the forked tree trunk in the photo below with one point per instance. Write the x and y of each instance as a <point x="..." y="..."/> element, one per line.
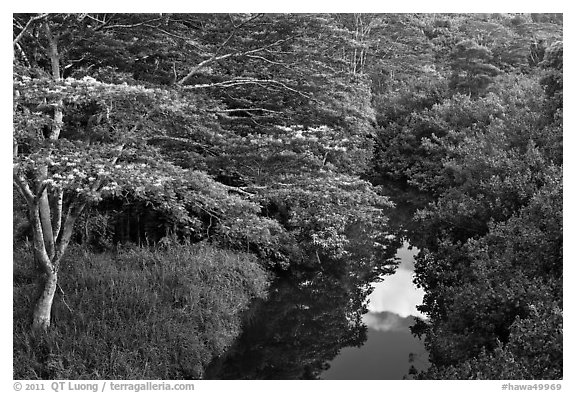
<point x="46" y="224"/>
<point x="48" y="263"/>
<point x="43" y="305"/>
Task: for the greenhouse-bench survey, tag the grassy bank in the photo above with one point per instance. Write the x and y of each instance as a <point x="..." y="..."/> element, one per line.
<point x="135" y="314"/>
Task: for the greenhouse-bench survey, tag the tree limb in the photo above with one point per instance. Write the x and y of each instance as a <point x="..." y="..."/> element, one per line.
<point x="247" y="81"/>
<point x="170" y="34"/>
<point x="243" y="110"/>
<point x="55" y="62"/>
<point x="41" y="189"/>
<point x="132" y="25"/>
<point x="239" y="190"/>
<point x="44" y="211"/>
<point x="215" y="56"/>
<point x="24" y="57"/>
<point x="30" y="21"/>
<point x="40" y="253"/>
<point x="65" y="235"/>
<point x="268" y="61"/>
<point x="53" y="52"/>
<point x="24" y="188"/>
<point x="57" y="212"/>
<point x="98" y="182"/>
<point x="103" y="22"/>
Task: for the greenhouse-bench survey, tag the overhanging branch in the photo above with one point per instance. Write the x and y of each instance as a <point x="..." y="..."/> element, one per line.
<point x="244" y="110"/>
<point x="247" y="81"/>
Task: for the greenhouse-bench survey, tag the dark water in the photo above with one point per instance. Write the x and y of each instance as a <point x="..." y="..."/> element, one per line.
<point x="350" y="320"/>
<point x="390" y="349"/>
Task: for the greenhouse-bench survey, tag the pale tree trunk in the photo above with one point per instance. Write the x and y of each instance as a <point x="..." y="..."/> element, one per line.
<point x="46" y="220"/>
<point x="51" y="229"/>
<point x="43" y="306"/>
<point x="45" y="216"/>
<point x="49" y="263"/>
<point x="45" y="211"/>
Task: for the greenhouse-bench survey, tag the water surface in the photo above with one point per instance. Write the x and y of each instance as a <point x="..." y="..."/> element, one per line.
<point x="390" y="349"/>
<point x="348" y="319"/>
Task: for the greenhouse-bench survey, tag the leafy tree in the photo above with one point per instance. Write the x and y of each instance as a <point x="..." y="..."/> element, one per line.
<point x="471" y="68"/>
<point x="62" y="165"/>
<point x="492" y="240"/>
<point x="552" y="81"/>
<point x="148" y="108"/>
<point x="486" y="297"/>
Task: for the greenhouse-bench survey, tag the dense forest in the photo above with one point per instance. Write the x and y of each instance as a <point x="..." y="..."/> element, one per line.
<point x="168" y="167"/>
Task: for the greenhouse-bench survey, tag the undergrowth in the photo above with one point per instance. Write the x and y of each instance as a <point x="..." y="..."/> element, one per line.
<point x="134" y="314"/>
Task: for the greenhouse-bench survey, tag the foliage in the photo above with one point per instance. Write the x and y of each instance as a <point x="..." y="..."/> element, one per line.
<point x="492" y="260"/>
<point x="471" y="68"/>
<point x="487" y="146"/>
<point x="486" y="292"/>
<point x="249" y="99"/>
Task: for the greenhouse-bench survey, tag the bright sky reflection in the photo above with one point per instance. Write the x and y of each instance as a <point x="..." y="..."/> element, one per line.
<point x="385" y="354"/>
<point x="397" y="293"/>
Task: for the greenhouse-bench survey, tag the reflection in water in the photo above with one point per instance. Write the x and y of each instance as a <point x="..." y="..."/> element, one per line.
<point x="397" y="293"/>
<point x="318" y="324"/>
<point x="386" y="321"/>
<point x="390" y="349"/>
<point x="293" y="334"/>
<point x="385" y="354"/>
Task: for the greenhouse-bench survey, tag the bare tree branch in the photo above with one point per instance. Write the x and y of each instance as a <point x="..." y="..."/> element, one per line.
<point x="57" y="212"/>
<point x="94" y="19"/>
<point x="243" y="110"/>
<point x="132" y="25"/>
<point x="215" y="56"/>
<point x="185" y="39"/>
<point x="237" y="54"/>
<point x="247" y="81"/>
<point x="24" y="188"/>
<point x="269" y="61"/>
<point x="30" y="21"/>
<point x="17" y="23"/>
<point x="239" y="190"/>
<point x="24" y="57"/>
<point x="103" y="23"/>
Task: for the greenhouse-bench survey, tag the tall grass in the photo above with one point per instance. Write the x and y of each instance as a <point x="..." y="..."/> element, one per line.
<point x="135" y="314"/>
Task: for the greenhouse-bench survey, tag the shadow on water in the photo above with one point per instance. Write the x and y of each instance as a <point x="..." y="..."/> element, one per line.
<point x="311" y="319"/>
<point x="296" y="331"/>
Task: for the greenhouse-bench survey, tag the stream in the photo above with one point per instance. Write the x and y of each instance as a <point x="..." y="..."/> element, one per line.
<point x="386" y="353"/>
<point x="350" y="320"/>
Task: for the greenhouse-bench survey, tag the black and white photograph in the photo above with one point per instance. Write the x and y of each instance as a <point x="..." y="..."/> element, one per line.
<point x="286" y="196"/>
